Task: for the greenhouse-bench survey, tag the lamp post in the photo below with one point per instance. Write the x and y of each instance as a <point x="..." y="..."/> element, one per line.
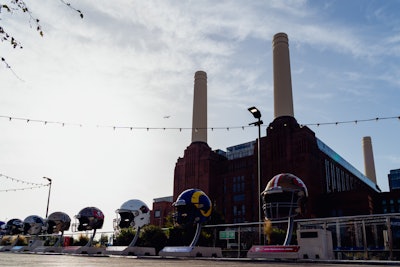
<point x="48" y="197"/>
<point x="257" y="114"/>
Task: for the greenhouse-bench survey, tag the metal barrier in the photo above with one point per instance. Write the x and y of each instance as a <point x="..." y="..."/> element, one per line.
<point x="354" y="237"/>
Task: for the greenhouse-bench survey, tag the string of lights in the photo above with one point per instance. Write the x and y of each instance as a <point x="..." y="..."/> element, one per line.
<point x="21" y="189"/>
<point x="45" y="122"/>
<point x="31" y="185"/>
<point x="352" y="121"/>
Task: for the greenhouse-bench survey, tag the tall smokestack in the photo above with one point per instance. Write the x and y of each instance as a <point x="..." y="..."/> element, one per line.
<point x="283" y="99"/>
<point x="199" y="123"/>
<point x="369" y="165"/>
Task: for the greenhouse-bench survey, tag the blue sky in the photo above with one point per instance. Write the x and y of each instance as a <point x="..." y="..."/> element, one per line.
<point x="133" y="63"/>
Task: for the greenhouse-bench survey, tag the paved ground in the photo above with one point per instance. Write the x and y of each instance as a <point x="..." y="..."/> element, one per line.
<point x="45" y="260"/>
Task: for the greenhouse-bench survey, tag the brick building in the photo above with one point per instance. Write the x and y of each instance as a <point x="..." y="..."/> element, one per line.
<point x="230" y="178"/>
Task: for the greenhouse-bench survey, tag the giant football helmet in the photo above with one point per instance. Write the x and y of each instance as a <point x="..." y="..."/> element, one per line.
<point x="58" y="222"/>
<point x="33" y="225"/>
<point x="90" y="218"/>
<point x="192" y="206"/>
<point x="14" y="227"/>
<point x="284" y="197"/>
<point x="134" y="213"/>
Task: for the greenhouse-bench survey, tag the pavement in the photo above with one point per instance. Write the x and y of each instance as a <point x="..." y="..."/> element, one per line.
<point x="11" y="259"/>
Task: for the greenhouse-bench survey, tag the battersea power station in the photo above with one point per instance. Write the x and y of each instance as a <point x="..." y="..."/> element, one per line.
<point x="230" y="178"/>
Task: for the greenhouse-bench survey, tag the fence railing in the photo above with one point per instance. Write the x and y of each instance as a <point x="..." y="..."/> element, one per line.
<point x="353" y="237"/>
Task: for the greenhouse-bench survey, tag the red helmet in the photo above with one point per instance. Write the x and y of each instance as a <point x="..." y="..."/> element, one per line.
<point x="284" y="196"/>
<point x="90" y="218"/>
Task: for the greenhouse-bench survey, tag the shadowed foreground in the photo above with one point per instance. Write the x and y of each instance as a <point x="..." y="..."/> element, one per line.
<point x="37" y="260"/>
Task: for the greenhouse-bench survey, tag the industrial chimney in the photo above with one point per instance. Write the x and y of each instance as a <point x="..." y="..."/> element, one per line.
<point x="199" y="122"/>
<point x="283" y="99"/>
<point x="369" y="165"/>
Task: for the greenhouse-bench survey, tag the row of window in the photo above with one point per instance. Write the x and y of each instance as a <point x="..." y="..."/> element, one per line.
<point x="394" y="181"/>
<point x="238" y="184"/>
<point x="391" y="201"/>
<point x="337" y="180"/>
<point x="238" y="197"/>
<point x="391" y="209"/>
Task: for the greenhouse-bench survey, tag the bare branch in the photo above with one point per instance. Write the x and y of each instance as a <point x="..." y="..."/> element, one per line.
<point x="73" y="8"/>
<point x="9" y="67"/>
<point x="4" y="36"/>
<point x="20" y="5"/>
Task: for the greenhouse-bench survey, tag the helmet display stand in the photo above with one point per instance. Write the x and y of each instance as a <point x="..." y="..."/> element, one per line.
<point x="131" y="249"/>
<point x="192" y="250"/>
<point x="289" y="232"/>
<point x="57" y="223"/>
<point x="193" y="208"/>
<point x="33" y="227"/>
<point x="133" y="213"/>
<point x="196" y="235"/>
<point x="90" y="242"/>
<point x="90" y="218"/>
<point x="284" y="197"/>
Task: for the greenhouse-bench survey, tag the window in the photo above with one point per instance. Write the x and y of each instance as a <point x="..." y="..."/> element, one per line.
<point x="238" y="184"/>
<point x="157" y="213"/>
<point x="238" y="198"/>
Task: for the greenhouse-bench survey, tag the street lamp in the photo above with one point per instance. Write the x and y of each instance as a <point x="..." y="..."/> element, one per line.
<point x="48" y="197"/>
<point x="257" y="114"/>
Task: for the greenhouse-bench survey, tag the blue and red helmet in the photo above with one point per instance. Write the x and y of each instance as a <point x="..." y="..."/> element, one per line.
<point x="90" y="218"/>
<point x="192" y="206"/>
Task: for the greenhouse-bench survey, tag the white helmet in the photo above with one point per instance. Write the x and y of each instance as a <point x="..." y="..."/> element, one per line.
<point x="134" y="213"/>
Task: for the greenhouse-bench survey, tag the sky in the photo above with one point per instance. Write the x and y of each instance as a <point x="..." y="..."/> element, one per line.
<point x="74" y="94"/>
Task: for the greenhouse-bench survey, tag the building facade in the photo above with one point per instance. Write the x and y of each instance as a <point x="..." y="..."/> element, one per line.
<point x="230" y="178"/>
<point x="162" y="209"/>
<point x="394" y="180"/>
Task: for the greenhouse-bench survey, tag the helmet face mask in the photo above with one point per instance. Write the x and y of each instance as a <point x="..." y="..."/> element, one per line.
<point x="284" y="197"/>
<point x="182" y="214"/>
<point x="127" y="219"/>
